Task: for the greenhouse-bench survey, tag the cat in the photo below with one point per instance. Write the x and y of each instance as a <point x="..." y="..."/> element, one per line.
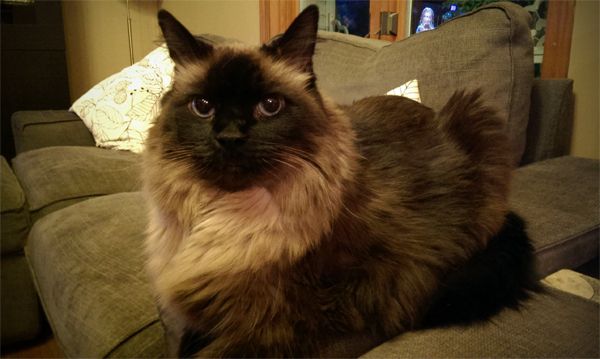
<point x="281" y="223"/>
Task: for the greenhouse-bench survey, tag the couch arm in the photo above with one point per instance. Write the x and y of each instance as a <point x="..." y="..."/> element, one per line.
<point x="550" y="120"/>
<point x="37" y="129"/>
<point x="14" y="215"/>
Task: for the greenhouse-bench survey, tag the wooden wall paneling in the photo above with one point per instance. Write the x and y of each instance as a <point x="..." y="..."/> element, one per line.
<point x="264" y="15"/>
<point x="276" y="16"/>
<point x="291" y="9"/>
<point x="402" y="10"/>
<point x="557" y="46"/>
<point x="374" y="8"/>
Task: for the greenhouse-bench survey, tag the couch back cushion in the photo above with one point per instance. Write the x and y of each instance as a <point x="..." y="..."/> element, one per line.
<point x="489" y="48"/>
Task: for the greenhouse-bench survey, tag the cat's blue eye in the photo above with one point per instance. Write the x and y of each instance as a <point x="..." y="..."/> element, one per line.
<point x="201" y="107"/>
<point x="270" y="106"/>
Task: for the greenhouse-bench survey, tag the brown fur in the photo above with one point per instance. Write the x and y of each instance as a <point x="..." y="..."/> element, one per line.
<point x="350" y="231"/>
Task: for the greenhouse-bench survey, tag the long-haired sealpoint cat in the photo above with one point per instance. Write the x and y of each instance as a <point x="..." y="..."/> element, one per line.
<point x="281" y="222"/>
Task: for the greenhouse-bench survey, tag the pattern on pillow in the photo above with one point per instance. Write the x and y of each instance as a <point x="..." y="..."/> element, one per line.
<point x="120" y="110"/>
<point x="409" y="90"/>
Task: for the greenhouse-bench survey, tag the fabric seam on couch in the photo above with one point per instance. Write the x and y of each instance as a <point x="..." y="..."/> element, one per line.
<point x="335" y="38"/>
<point x="43" y="304"/>
<point x="569" y="239"/>
<point x="555" y="124"/>
<point x="25" y="125"/>
<point x="133" y="334"/>
<point x="45" y="119"/>
<point x="512" y="86"/>
<point x="84" y="196"/>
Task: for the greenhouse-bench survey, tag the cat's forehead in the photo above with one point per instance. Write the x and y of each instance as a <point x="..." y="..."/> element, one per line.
<point x="240" y="69"/>
<point x="233" y="71"/>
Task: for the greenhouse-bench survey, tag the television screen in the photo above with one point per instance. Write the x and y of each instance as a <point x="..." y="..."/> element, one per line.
<point x="429" y="14"/>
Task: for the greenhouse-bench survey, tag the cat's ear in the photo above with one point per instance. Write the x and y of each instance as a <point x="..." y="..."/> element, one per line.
<point x="297" y="44"/>
<point x="183" y="46"/>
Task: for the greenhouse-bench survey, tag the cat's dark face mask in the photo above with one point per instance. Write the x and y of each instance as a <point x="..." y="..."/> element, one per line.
<point x="241" y="116"/>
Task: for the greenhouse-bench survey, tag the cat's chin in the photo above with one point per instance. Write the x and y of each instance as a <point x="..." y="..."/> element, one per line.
<point x="234" y="179"/>
<point x="233" y="185"/>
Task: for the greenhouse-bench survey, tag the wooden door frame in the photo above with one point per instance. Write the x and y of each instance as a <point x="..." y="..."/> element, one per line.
<point x="557" y="45"/>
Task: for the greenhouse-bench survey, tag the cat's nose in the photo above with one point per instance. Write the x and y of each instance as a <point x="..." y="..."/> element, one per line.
<point x="231" y="142"/>
<point x="230" y="136"/>
<point x="228" y="139"/>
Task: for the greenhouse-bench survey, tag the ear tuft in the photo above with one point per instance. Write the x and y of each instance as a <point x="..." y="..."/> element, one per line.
<point x="183" y="47"/>
<point x="297" y="44"/>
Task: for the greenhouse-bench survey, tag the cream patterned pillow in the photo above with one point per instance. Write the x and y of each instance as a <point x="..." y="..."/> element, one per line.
<point x="120" y="110"/>
<point x="409" y="90"/>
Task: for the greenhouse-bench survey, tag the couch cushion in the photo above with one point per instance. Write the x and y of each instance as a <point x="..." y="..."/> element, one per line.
<point x="88" y="261"/>
<point x="556" y="324"/>
<point x="559" y="199"/>
<point x="14" y="215"/>
<point x="550" y="120"/>
<point x="496" y="57"/>
<point x="89" y="270"/>
<point x="55" y="177"/>
<point x="37" y="129"/>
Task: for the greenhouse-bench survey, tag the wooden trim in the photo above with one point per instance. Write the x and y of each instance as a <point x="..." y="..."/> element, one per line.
<point x="376" y="7"/>
<point x="275" y="16"/>
<point x="557" y="46"/>
<point x="264" y="16"/>
<point x="402" y="10"/>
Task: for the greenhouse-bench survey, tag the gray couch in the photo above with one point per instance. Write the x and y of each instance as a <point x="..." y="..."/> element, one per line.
<point x="84" y="248"/>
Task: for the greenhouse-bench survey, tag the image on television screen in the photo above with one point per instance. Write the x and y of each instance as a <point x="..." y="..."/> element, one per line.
<point x="428" y="14"/>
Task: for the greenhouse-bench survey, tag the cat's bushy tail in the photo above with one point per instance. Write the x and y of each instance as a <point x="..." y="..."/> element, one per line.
<point x="475" y="128"/>
<point x="501" y="275"/>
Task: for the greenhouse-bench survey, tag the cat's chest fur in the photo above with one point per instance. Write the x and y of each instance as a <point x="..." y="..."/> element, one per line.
<point x="236" y="232"/>
<point x="213" y="235"/>
<point x="228" y="233"/>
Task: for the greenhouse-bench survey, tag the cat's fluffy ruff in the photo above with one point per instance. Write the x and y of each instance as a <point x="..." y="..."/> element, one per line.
<point x="351" y="227"/>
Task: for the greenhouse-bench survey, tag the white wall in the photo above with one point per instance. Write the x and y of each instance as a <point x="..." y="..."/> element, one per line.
<point x="96" y="38"/>
<point x="234" y="19"/>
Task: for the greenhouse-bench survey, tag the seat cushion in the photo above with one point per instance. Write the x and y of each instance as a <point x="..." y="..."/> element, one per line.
<point x="497" y="58"/>
<point x="55" y="177"/>
<point x="14" y="216"/>
<point x="89" y="271"/>
<point x="559" y="199"/>
<point x="551" y="325"/>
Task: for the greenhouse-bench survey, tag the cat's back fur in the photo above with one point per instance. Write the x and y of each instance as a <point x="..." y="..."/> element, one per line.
<point x="452" y="164"/>
<point x="345" y="220"/>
